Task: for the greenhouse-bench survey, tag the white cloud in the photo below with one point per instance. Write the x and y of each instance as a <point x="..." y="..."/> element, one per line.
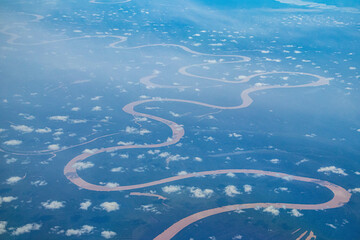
<point x="13" y="180"/>
<point x="111" y="185"/>
<point x="331" y="225"/>
<point x="85" y="229"/>
<point x="176" y="157"/>
<point x="27" y="116"/>
<point x="237" y="237"/>
<point x="332" y="169"/>
<point x="182" y="173"/>
<point x="54" y="147"/>
<point x="39" y="183"/>
<point x="198" y="193"/>
<point x="75" y="109"/>
<point x="247" y="188"/>
<point x="355" y="190"/>
<point x="198" y="159"/>
<point x="90" y="151"/>
<point x="12" y="142"/>
<point x="76" y="121"/>
<point x="96" y="108"/>
<point x="144" y="131"/>
<point x="96" y="98"/>
<point x="118" y="169"/>
<point x="174" y="114"/>
<point x="82" y="165"/>
<point x="318" y="5"/>
<point x="231" y="190"/>
<point x="108" y="234"/>
<point x="7" y="199"/>
<point x="235" y="135"/>
<point x="110" y="206"/>
<point x="3" y="130"/>
<point x="149" y="208"/>
<point x="53" y="204"/>
<point x="171" y="188"/>
<point x="125" y="143"/>
<point x="296" y="213"/>
<point x="310" y="135"/>
<point x="230" y="174"/>
<point x="11" y="160"/>
<point x="26" y="229"/>
<point x="272" y="210"/>
<point x="43" y="130"/>
<point x="132" y="130"/>
<point x="85" y="205"/>
<point x="59" y="118"/>
<point x="3" y="227"/>
<point x="275" y="161"/>
<point x="22" y="128"/>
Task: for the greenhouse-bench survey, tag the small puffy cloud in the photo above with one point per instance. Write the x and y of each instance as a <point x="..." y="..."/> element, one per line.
<point x="22" y="128"/>
<point x="39" y="183"/>
<point x="27" y="116"/>
<point x="108" y="234"/>
<point x="96" y="108"/>
<point x="231" y="190"/>
<point x="26" y="229"/>
<point x="230" y="174"/>
<point x="247" y="188"/>
<point x="132" y="130"/>
<point x="75" y="109"/>
<point x="354" y="190"/>
<point x="2" y="130"/>
<point x="331" y="225"/>
<point x="90" y="151"/>
<point x="110" y="206"/>
<point x="13" y="180"/>
<point x="96" y="98"/>
<point x="3" y="227"/>
<point x="52" y="204"/>
<point x="296" y="213"/>
<point x="82" y="165"/>
<point x="53" y="147"/>
<point x="125" y="143"/>
<point x="332" y="169"/>
<point x="174" y="114"/>
<point x="198" y="159"/>
<point x="111" y="185"/>
<point x="11" y="160"/>
<point x="182" y="173"/>
<point x="237" y="237"/>
<point x="149" y="208"/>
<point x="59" y="118"/>
<point x="76" y="121"/>
<point x="176" y="157"/>
<point x="13" y="142"/>
<point x="7" y="199"/>
<point x="171" y="188"/>
<point x="43" y="130"/>
<point x="199" y="193"/>
<point x="85" y="205"/>
<point x="310" y="135"/>
<point x="275" y="161"/>
<point x="85" y="229"/>
<point x="118" y="169"/>
<point x="272" y="210"/>
<point x="235" y="135"/>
